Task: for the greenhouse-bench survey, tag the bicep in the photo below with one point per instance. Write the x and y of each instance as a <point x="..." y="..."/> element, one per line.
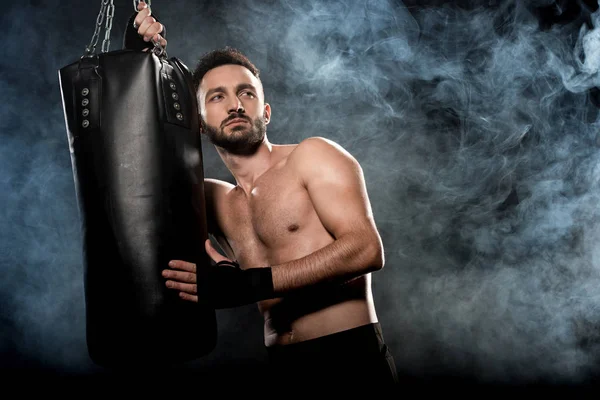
<point x="225" y="247"/>
<point x="336" y="186"/>
<point x="210" y="212"/>
<point x="214" y="194"/>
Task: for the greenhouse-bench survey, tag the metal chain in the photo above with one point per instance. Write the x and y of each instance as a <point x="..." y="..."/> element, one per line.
<point x="110" y="11"/>
<point x="136" y="2"/>
<point x="90" y="48"/>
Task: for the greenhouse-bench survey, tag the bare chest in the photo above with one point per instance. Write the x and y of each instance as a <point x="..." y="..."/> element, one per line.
<point x="273" y="215"/>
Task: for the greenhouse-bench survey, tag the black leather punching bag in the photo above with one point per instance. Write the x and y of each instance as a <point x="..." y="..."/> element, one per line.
<point x="133" y="133"/>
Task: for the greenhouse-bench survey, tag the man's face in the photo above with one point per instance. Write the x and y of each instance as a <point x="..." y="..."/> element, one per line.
<point x="234" y="114"/>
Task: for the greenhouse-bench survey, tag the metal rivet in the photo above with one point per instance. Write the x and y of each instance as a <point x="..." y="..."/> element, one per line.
<point x="179" y="116"/>
<point x="85" y="123"/>
<point x="172" y="86"/>
<point x="85" y="102"/>
<point x="177" y="106"/>
<point x="85" y="112"/>
<point x="85" y="91"/>
<point x="175" y="96"/>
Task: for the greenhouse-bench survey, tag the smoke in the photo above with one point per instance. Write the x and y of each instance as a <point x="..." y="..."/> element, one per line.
<point x="40" y="295"/>
<point x="476" y="124"/>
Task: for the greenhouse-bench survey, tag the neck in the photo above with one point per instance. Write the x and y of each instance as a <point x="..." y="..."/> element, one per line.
<point x="246" y="169"/>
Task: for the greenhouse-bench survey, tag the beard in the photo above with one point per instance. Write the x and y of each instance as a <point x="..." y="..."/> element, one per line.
<point x="242" y="140"/>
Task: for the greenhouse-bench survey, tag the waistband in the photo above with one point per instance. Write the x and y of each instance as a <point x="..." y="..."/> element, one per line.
<point x="368" y="336"/>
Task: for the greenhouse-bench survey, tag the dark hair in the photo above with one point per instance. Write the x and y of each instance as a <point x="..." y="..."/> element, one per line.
<point x="216" y="58"/>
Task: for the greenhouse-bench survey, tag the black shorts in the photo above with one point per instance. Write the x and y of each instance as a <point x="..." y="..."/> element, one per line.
<point x="356" y="356"/>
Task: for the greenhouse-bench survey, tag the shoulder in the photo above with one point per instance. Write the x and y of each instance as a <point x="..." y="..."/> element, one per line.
<point x="216" y="188"/>
<point x="318" y="147"/>
<point x="217" y="184"/>
<point x="317" y="152"/>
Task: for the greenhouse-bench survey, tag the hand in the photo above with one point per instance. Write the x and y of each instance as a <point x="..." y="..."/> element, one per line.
<point x="147" y="26"/>
<point x="183" y="278"/>
<point x="223" y="285"/>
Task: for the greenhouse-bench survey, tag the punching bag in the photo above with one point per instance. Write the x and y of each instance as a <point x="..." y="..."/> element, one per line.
<point x="134" y="141"/>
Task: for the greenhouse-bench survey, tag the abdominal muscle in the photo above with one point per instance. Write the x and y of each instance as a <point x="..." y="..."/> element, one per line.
<point x="317" y="313"/>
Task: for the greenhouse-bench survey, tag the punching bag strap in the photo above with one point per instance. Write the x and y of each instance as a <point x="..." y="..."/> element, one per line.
<point x="87" y="87"/>
<point x="87" y="83"/>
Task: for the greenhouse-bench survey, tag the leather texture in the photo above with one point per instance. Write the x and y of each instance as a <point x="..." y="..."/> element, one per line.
<point x="134" y="141"/>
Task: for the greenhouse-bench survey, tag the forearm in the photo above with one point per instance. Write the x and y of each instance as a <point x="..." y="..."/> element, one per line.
<point x="348" y="257"/>
<point x="226" y="285"/>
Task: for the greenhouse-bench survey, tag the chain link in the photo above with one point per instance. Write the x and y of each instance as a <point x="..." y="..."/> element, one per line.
<point x="107" y="8"/>
<point x="136" y="2"/>
<point x="91" y="47"/>
<point x="110" y="12"/>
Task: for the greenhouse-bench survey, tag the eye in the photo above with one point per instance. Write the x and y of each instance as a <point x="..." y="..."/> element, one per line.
<point x="248" y="93"/>
<point x="216" y="97"/>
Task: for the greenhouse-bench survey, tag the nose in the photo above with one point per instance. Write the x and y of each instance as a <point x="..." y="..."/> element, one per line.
<point x="236" y="106"/>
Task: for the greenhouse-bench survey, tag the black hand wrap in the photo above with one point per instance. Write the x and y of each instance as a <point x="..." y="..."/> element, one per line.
<point x="226" y="285"/>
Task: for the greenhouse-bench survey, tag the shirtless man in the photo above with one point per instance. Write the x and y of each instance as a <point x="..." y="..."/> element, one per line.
<point x="296" y="232"/>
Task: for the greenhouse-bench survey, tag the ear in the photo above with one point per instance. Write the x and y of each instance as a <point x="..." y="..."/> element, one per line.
<point x="202" y="129"/>
<point x="267" y="113"/>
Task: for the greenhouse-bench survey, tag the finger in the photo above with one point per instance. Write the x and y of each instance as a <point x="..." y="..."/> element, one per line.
<point x="214" y="254"/>
<point x="141" y="15"/>
<point x="153" y="30"/>
<point x="188" y="297"/>
<point x="157" y="39"/>
<point x="160" y="40"/>
<point x="186" y="277"/>
<point x="183" y="265"/>
<point x="182" y="287"/>
<point x="146" y="24"/>
<point x="141" y="5"/>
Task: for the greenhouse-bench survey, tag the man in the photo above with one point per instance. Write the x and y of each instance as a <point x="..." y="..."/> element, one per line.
<point x="296" y="233"/>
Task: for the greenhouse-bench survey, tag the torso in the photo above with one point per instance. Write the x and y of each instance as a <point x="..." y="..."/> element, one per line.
<point x="277" y="223"/>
